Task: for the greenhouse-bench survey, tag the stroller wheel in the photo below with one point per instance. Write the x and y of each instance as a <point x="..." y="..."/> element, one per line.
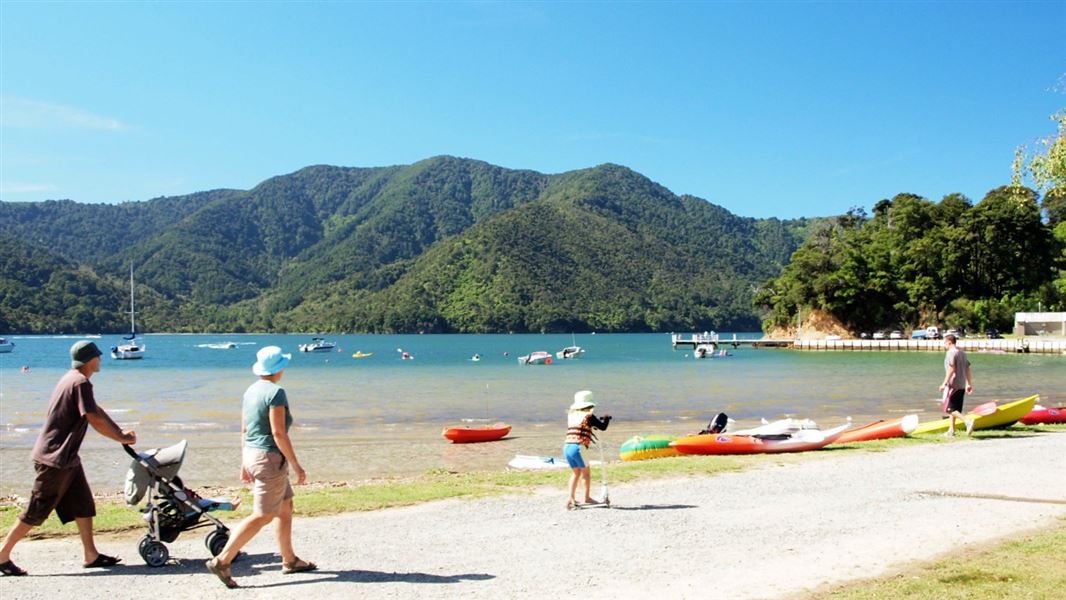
<point x="147" y="539"/>
<point x="155" y="554"/>
<point x="216" y="541"/>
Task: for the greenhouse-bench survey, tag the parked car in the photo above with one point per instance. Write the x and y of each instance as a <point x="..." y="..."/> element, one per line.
<point x="919" y="334"/>
<point x="864" y="336"/>
<point x="993" y="334"/>
<point x="879" y="335"/>
<point x="958" y="333"/>
<point x="895" y="335"/>
<point x="932" y="333"/>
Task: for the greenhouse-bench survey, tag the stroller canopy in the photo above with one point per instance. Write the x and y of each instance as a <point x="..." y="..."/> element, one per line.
<point x="150" y="466"/>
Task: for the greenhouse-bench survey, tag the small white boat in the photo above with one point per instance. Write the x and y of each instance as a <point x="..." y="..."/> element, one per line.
<point x="318" y="345"/>
<point x="220" y="345"/>
<point x="6" y="346"/>
<point x="704" y="351"/>
<point x="131" y="349"/>
<point x="536" y="358"/>
<point x="570" y="352"/>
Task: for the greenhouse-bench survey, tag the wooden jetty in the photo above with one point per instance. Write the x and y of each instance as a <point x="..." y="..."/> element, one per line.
<point x="1001" y="346"/>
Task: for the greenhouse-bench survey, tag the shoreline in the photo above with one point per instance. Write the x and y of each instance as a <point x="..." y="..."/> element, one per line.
<point x="781" y="528"/>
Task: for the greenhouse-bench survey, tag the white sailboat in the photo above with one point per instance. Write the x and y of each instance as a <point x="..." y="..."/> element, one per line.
<point x="131" y="349"/>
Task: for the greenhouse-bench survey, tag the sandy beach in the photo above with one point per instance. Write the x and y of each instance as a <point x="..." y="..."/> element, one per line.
<point x="778" y="530"/>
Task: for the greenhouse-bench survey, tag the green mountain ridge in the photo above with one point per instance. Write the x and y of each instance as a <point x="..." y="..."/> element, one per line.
<point x="445" y="244"/>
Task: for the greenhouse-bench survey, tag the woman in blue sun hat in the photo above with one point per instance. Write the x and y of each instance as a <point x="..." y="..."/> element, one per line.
<point x="268" y="452"/>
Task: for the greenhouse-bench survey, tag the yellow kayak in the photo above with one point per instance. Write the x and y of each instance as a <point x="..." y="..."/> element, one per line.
<point x="1003" y="416"/>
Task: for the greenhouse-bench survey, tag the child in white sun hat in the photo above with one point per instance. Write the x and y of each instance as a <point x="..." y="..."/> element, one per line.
<point x="580" y="421"/>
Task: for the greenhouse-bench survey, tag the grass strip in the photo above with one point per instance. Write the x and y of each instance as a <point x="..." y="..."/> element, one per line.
<point x="1026" y="567"/>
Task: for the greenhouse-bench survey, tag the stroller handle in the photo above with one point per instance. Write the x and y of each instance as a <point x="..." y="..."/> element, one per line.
<point x="129" y="450"/>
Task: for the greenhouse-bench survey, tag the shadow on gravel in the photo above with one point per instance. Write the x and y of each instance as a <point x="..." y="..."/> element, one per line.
<point x="359" y="576"/>
<point x="252" y="563"/>
<point x="653" y="507"/>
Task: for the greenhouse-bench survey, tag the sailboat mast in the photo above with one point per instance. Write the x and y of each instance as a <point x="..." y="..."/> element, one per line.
<point x="133" y="327"/>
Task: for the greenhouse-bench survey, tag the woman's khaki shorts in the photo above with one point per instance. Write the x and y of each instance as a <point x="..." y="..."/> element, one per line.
<point x="270" y="475"/>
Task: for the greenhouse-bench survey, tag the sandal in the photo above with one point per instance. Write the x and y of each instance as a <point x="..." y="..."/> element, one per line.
<point x="569" y="505"/>
<point x="222" y="572"/>
<point x="10" y="569"/>
<point x="103" y="560"/>
<point x="297" y="566"/>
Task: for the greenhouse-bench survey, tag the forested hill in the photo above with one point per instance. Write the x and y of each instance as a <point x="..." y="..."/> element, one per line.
<point x="445" y="244"/>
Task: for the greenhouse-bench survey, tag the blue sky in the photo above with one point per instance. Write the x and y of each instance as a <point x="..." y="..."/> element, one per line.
<point x="768" y="109"/>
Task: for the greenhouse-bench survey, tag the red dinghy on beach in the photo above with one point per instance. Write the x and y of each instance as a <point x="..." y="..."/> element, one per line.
<point x="467" y="435"/>
<point x="880" y="430"/>
<point x="1041" y="415"/>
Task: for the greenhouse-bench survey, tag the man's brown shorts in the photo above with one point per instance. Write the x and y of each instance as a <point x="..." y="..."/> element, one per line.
<point x="64" y="490"/>
<point x="270" y="473"/>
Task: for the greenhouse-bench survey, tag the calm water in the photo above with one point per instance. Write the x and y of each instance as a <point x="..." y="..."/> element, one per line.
<point x="382" y="416"/>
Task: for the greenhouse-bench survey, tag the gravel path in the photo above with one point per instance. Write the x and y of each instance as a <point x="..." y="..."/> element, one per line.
<point x="759" y="534"/>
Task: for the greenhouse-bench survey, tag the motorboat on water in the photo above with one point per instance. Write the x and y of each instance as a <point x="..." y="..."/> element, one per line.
<point x="318" y="345"/>
<point x="131" y="349"/>
<point x="706" y="351"/>
<point x="536" y="358"/>
<point x="6" y="346"/>
<point x="570" y="352"/>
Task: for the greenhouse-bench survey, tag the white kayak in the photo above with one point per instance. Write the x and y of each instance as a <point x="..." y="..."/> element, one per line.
<point x="528" y="461"/>
<point x="778" y="427"/>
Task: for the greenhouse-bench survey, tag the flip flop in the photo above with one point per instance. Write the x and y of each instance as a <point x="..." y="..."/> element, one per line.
<point x="103" y="560"/>
<point x="10" y="569"/>
<point x="296" y="566"/>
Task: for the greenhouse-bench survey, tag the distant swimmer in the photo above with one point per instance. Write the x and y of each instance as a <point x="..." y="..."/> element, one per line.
<point x="475" y="357"/>
<point x="506" y="354"/>
<point x="25" y="369"/>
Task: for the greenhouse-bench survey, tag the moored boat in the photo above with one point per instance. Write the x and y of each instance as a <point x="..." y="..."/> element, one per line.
<point x="1041" y="415"/>
<point x="318" y="345"/>
<point x="536" y="358"/>
<point x="131" y="349"/>
<point x="6" y="346"/>
<point x="467" y="435"/>
<point x="570" y="352"/>
<point x="725" y="443"/>
<point x="879" y="430"/>
<point x="644" y="447"/>
<point x="1003" y="415"/>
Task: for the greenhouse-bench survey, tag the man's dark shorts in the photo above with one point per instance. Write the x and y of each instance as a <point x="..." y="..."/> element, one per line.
<point x="64" y="490"/>
<point x="955" y="401"/>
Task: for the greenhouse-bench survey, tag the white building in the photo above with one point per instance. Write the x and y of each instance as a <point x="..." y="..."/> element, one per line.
<point x="1039" y="323"/>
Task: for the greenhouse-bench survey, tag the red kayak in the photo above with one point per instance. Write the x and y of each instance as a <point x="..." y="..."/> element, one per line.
<point x="1045" y="416"/>
<point x="880" y="430"/>
<point x="725" y="443"/>
<point x="466" y="435"/>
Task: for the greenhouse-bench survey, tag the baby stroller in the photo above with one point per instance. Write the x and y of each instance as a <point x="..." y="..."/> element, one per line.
<point x="172" y="508"/>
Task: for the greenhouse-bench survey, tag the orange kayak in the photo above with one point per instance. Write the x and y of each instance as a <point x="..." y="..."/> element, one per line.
<point x="725" y="443"/>
<point x="466" y="435"/>
<point x="879" y="430"/>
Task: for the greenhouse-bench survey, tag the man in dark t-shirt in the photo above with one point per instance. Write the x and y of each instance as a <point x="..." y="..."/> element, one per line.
<point x="60" y="484"/>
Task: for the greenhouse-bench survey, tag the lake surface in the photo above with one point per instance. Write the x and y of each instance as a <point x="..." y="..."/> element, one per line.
<point x="382" y="416"/>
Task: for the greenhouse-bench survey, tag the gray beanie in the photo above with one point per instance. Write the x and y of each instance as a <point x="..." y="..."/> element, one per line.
<point x="82" y="352"/>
